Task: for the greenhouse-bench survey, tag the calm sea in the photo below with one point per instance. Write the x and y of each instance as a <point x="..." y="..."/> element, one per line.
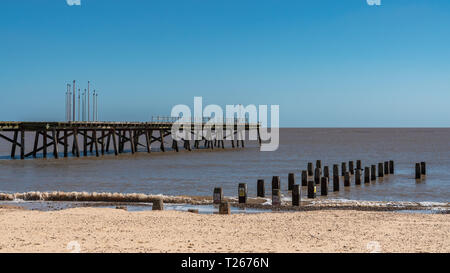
<point x="197" y="173"/>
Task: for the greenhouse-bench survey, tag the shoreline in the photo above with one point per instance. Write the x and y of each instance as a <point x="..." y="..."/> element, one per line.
<point x="114" y="230"/>
<point x="84" y="199"/>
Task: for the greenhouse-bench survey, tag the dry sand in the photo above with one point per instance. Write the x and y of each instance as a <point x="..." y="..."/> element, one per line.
<point x="112" y="230"/>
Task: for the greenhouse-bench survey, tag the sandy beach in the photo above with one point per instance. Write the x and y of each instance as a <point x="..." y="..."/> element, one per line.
<point x="114" y="230"/>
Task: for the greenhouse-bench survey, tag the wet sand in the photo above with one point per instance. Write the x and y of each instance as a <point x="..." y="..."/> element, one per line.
<point x="113" y="230"/>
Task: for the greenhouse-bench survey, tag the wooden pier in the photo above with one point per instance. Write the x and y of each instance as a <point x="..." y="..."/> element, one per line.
<point x="84" y="138"/>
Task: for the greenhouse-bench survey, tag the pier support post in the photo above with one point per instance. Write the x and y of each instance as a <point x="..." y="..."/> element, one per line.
<point x="366" y="175"/>
<point x="304" y="178"/>
<point x="113" y="135"/>
<point x="343" y="168"/>
<point x="319" y="165"/>
<point x="291" y="181"/>
<point x="260" y="188"/>
<point x="175" y="145"/>
<point x="14" y="145"/>
<point x="103" y="142"/>
<point x="311" y="189"/>
<point x="324" y="186"/>
<point x="95" y="140"/>
<point x="335" y="177"/>
<point x="358" y="164"/>
<point x="161" y="134"/>
<point x="358" y="177"/>
<point x="296" y="190"/>
<point x="217" y="196"/>
<point x="22" y="144"/>
<point x="36" y="142"/>
<point x="373" y="173"/>
<point x="66" y="144"/>
<point x="418" y="171"/>
<point x="276" y="183"/>
<point x="133" y="147"/>
<point x="391" y="167"/>
<point x="317" y="176"/>
<point x="242" y="191"/>
<point x="85" y="142"/>
<point x="224" y="208"/>
<point x="326" y="172"/>
<point x="310" y="169"/>
<point x="75" y="141"/>
<point x="351" y="167"/>
<point x="44" y="140"/>
<point x="158" y="204"/>
<point x="55" y="144"/>
<point x="423" y="168"/>
<point x="380" y="170"/>
<point x="347" y="179"/>
<point x="386" y="168"/>
<point x="276" y="197"/>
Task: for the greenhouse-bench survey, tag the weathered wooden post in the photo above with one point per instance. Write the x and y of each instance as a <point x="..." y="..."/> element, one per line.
<point x="224" y="208"/>
<point x="326" y="172"/>
<point x="291" y="181"/>
<point x="358" y="165"/>
<point x="242" y="191"/>
<point x="418" y="171"/>
<point x="423" y="168"/>
<point x="276" y="184"/>
<point x="391" y="166"/>
<point x="296" y="190"/>
<point x="319" y="164"/>
<point x="343" y="168"/>
<point x="386" y="168"/>
<point x="276" y="197"/>
<point x="347" y="179"/>
<point x="380" y="170"/>
<point x="335" y="177"/>
<point x="304" y="178"/>
<point x="351" y="167"/>
<point x="358" y="177"/>
<point x="324" y="186"/>
<point x="317" y="176"/>
<point x="310" y="169"/>
<point x="373" y="173"/>
<point x="158" y="204"/>
<point x="260" y="189"/>
<point x="311" y="189"/>
<point x="366" y="175"/>
<point x="276" y="193"/>
<point x="217" y="195"/>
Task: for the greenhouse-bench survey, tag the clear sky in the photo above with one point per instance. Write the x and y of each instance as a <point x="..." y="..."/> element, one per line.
<point x="327" y="63"/>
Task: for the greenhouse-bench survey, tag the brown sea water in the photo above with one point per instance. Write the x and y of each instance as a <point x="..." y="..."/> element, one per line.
<point x="198" y="172"/>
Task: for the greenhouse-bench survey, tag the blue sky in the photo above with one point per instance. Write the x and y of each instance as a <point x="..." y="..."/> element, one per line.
<point x="327" y="63"/>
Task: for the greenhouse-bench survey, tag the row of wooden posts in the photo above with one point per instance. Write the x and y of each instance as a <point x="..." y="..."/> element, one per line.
<point x="370" y="174"/>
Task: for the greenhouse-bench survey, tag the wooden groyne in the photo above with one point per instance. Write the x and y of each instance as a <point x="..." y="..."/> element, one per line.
<point x="82" y="138"/>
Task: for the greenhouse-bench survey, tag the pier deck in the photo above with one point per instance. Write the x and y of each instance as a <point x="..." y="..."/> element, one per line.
<point x="100" y="137"/>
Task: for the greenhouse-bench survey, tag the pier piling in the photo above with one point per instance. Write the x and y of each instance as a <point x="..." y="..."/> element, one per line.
<point x="423" y="168"/>
<point x="366" y="175"/>
<point x="260" y="188"/>
<point x="304" y="178"/>
<point x="217" y="195"/>
<point x="324" y="186"/>
<point x="418" y="171"/>
<point x="347" y="179"/>
<point x="311" y="189"/>
<point x="242" y="191"/>
<point x="291" y="181"/>
<point x="296" y="193"/>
